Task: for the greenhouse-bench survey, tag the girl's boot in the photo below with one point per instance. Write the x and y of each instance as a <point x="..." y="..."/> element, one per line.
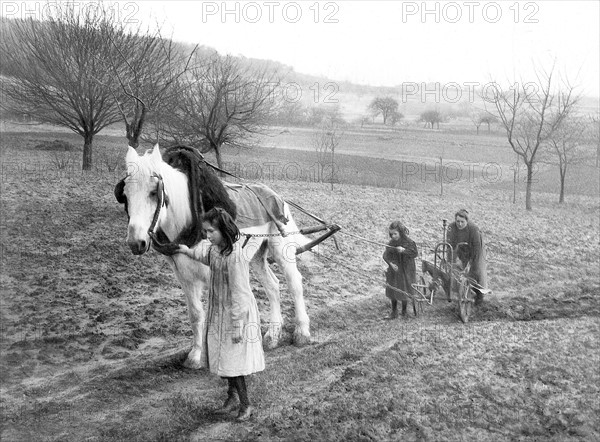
<point x="232" y="402"/>
<point x="394" y="313"/>
<point x="246" y="410"/>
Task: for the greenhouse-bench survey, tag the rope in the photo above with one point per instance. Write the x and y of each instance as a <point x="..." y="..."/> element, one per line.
<point x="366" y="240"/>
<point x="369" y="277"/>
<point x="306" y="212"/>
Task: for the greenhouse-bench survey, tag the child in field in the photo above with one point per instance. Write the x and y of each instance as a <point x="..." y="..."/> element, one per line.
<point x="400" y="257"/>
<point x="233" y="343"/>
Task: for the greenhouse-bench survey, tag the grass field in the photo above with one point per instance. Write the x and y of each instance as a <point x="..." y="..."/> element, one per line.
<point x="93" y="338"/>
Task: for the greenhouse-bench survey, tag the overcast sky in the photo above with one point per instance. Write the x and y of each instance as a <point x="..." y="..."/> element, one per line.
<point x="391" y="42"/>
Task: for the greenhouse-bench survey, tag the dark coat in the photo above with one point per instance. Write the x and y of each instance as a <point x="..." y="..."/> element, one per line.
<point x="474" y="254"/>
<point x="407" y="270"/>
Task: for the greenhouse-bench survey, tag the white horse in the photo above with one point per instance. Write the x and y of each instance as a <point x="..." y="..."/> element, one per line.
<point x="158" y="199"/>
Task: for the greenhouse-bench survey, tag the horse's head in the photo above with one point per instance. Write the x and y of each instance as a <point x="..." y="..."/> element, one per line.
<point x="184" y="181"/>
<point x="142" y="193"/>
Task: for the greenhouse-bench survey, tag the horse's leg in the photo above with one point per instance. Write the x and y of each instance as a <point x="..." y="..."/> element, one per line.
<point x="194" y="278"/>
<point x="270" y="283"/>
<point x="193" y="296"/>
<point x="283" y="250"/>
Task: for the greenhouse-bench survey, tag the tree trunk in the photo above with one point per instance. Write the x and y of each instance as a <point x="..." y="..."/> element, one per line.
<point x="529" y="165"/>
<point x="134" y="142"/>
<point x="132" y="136"/>
<point x="133" y="130"/>
<point x="515" y="175"/>
<point x="87" y="151"/>
<point x="332" y="165"/>
<point x="515" y="180"/>
<point x="441" y="177"/>
<point x="563" y="173"/>
<point x="219" y="158"/>
<point x="477" y="129"/>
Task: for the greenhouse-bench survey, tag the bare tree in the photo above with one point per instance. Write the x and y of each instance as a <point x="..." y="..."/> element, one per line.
<point x="475" y="115"/>
<point x="488" y="119"/>
<point x="146" y="70"/>
<point x="324" y="114"/>
<point x="567" y="146"/>
<point x="364" y="119"/>
<point x="481" y="116"/>
<point x="59" y="73"/>
<point x="221" y="101"/>
<point x="395" y="117"/>
<point x="386" y="107"/>
<point x="291" y="113"/>
<point x="325" y="140"/>
<point x="431" y="117"/>
<point x="530" y="114"/>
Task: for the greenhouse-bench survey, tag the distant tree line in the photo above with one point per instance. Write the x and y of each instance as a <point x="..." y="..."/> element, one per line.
<point x="296" y="113"/>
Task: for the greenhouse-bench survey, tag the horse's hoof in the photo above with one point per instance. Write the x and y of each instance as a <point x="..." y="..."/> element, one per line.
<point x="272" y="336"/>
<point x="300" y="339"/>
<point x="193" y="364"/>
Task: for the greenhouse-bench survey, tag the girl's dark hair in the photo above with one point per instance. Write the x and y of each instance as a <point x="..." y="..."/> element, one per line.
<point x="399" y="227"/>
<point x="224" y="223"/>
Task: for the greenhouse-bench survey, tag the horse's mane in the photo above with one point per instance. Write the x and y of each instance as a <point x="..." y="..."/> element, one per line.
<point x="205" y="188"/>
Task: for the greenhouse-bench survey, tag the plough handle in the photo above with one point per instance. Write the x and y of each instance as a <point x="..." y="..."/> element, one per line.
<point x="315" y="229"/>
<point x="332" y="229"/>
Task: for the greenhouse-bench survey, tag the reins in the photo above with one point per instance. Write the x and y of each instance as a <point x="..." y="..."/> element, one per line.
<point x="366" y="276"/>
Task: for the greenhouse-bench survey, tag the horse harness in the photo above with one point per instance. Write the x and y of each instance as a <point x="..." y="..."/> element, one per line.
<point x="157" y="238"/>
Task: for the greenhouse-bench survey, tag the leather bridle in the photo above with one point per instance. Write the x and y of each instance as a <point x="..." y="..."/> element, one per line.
<point x="160" y="194"/>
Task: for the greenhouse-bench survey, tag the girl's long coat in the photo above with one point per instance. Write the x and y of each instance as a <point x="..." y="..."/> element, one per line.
<point x="232" y="310"/>
<point x="407" y="271"/>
